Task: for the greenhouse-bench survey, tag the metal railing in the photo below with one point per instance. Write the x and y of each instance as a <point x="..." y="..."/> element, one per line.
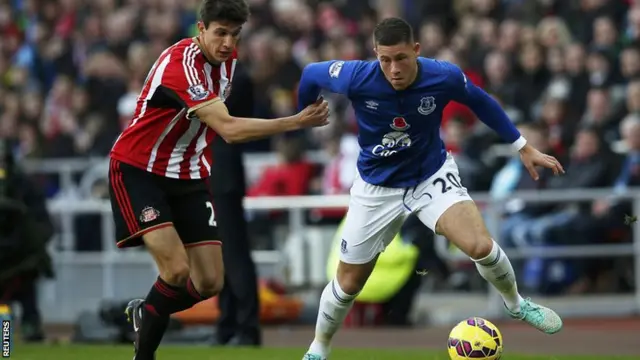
<point x="300" y="255"/>
<point x="307" y="268"/>
<point x="67" y="169"/>
<point x="493" y="212"/>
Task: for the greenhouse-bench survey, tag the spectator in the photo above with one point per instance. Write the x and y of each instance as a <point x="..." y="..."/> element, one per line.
<point x="513" y="177"/>
<point x="534" y="78"/>
<point x="599" y="113"/>
<point x="590" y="166"/>
<point x="629" y="174"/>
<point x="499" y="77"/>
<point x="630" y="63"/>
<point x="291" y="176"/>
<point x="338" y="174"/>
<point x="575" y="67"/>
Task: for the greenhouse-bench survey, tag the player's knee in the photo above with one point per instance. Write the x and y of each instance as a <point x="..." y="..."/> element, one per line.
<point x="481" y="247"/>
<point x="175" y="273"/>
<point x="352" y="278"/>
<point x="210" y="286"/>
<point x="350" y="285"/>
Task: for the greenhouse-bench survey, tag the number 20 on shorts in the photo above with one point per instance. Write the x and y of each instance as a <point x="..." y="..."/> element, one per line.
<point x="444" y="187"/>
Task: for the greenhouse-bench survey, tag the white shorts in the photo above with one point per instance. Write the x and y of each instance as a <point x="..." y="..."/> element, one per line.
<point x="377" y="213"/>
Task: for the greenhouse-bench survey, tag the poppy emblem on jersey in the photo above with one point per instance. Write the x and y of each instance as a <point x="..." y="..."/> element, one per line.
<point x="427" y="105"/>
<point x="149" y="214"/>
<point x="399" y="124"/>
<point x="198" y="92"/>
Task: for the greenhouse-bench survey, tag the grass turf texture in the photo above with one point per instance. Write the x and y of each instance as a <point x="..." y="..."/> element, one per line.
<point x="87" y="352"/>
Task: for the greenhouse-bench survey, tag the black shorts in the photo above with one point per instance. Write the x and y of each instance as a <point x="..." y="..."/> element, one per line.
<point x="142" y="202"/>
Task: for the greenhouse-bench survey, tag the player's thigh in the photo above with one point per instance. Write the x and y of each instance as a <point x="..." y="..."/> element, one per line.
<point x="138" y="204"/>
<point x="463" y="225"/>
<point x="448" y="210"/>
<point x="196" y="223"/>
<point x="368" y="229"/>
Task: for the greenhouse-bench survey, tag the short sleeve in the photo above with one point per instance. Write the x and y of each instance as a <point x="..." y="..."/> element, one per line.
<point x="183" y="80"/>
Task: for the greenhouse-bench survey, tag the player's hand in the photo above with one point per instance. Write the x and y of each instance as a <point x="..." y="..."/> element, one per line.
<point x="531" y="158"/>
<point x="316" y="114"/>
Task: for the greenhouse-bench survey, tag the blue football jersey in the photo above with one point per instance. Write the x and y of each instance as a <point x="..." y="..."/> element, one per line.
<point x="399" y="131"/>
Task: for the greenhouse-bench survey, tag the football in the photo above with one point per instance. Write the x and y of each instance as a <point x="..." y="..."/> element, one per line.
<point x="475" y="338"/>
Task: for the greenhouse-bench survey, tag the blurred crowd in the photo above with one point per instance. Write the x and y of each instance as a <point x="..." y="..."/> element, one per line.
<point x="566" y="71"/>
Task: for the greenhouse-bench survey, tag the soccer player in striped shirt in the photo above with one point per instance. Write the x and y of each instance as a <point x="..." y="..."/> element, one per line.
<point x="161" y="162"/>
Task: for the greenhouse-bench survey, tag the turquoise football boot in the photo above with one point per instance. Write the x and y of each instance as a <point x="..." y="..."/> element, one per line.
<point x="538" y="316"/>
<point x="309" y="356"/>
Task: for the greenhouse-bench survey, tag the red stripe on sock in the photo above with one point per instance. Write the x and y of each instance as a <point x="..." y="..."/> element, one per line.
<point x="164" y="290"/>
<point x="152" y="310"/>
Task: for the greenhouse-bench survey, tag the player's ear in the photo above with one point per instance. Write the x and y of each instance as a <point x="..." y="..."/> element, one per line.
<point x="201" y="27"/>
<point x="416" y="48"/>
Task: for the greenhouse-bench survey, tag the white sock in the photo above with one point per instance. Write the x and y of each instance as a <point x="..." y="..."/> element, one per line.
<point x="496" y="269"/>
<point x="334" y="307"/>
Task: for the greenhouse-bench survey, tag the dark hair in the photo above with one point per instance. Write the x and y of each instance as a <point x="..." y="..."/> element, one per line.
<point x="393" y="31"/>
<point x="632" y="47"/>
<point x="594" y="130"/>
<point x="231" y="11"/>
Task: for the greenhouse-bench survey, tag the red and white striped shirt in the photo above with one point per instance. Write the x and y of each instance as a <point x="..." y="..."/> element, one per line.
<point x="164" y="136"/>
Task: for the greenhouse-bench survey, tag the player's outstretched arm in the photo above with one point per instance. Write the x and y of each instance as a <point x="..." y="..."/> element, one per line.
<point x="334" y="75"/>
<point x="491" y="113"/>
<point x="181" y="80"/>
<point x="239" y="129"/>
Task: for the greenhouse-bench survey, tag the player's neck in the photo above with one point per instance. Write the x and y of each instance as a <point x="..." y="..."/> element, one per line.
<point x="196" y="39"/>
<point x="416" y="75"/>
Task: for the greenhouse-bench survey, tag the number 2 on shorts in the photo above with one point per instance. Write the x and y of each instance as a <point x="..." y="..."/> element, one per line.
<point x="212" y="216"/>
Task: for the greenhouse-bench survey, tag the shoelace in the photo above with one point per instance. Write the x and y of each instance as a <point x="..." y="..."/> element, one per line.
<point x="530" y="308"/>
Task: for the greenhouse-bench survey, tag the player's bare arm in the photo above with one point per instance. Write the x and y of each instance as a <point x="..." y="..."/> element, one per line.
<point x="237" y="129"/>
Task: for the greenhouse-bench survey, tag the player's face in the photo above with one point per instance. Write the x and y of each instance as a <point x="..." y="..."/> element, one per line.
<point x="219" y="39"/>
<point x="399" y="63"/>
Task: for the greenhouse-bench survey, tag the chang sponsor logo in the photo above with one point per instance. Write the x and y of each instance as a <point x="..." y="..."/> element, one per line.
<point x="393" y="141"/>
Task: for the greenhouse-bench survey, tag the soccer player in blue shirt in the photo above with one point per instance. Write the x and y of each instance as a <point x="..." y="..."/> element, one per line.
<point x="403" y="168"/>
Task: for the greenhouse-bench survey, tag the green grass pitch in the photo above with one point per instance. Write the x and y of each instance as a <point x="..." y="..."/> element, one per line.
<point x="88" y="352"/>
